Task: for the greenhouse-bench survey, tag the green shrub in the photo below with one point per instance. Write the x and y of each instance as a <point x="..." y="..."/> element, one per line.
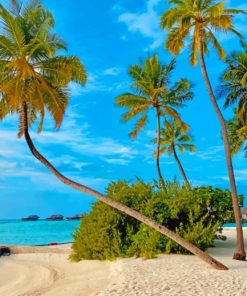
<point x="98" y="236"/>
<point x="147" y="243"/>
<point x="194" y="214"/>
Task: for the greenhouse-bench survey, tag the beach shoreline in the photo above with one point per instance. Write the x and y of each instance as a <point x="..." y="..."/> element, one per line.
<point x="47" y="272"/>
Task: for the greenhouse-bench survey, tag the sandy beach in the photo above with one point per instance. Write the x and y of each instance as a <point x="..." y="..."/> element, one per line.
<point x="51" y="274"/>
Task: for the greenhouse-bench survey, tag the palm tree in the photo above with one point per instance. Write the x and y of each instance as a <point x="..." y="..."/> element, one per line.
<point x="237" y="132"/>
<point x="172" y="137"/>
<point x="151" y="91"/>
<point x="234" y="82"/>
<point x="30" y="73"/>
<point x="33" y="79"/>
<point x="199" y="20"/>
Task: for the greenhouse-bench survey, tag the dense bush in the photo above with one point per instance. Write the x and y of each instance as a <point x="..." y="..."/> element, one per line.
<point x="194" y="214"/>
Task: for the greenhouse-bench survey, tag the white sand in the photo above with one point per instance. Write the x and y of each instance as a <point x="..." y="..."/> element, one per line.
<point x="50" y="274"/>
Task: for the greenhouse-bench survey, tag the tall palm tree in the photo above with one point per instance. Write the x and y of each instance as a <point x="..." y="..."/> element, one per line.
<point x="234" y="82"/>
<point x="199" y="20"/>
<point x="33" y="78"/>
<point x="172" y="137"/>
<point x="151" y="91"/>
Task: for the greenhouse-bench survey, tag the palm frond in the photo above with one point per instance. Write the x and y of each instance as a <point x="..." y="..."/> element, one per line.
<point x="15" y="7"/>
<point x="129" y="100"/>
<point x="134" y="112"/>
<point x="12" y="28"/>
<point x="175" y="39"/>
<point x="220" y="50"/>
<point x="140" y="124"/>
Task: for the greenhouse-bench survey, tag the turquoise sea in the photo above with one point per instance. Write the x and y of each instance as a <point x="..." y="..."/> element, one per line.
<point x="42" y="232"/>
<point x="233" y="225"/>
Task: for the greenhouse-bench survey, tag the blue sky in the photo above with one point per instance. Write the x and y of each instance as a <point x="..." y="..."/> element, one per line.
<point x="92" y="146"/>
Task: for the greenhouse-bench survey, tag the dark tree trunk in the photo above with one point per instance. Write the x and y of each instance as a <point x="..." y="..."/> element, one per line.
<point x="181" y="168"/>
<point x="158" y="148"/>
<point x="239" y="253"/>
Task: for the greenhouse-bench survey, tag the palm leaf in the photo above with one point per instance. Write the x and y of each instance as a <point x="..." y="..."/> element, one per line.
<point x="12" y="28"/>
<point x="129" y="100"/>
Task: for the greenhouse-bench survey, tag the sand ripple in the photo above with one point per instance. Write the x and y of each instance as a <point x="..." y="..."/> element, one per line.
<point x="178" y="276"/>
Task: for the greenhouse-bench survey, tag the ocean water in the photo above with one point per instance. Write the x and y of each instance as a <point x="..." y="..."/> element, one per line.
<point x="233" y="225"/>
<point x="41" y="232"/>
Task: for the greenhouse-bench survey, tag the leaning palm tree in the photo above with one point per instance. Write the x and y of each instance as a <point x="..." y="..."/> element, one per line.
<point x="199" y="20"/>
<point x="234" y="82"/>
<point x="151" y="90"/>
<point x="34" y="79"/>
<point x="171" y="138"/>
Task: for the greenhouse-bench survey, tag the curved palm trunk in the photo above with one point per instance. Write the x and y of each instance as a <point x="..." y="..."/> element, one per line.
<point x="158" y="148"/>
<point x="115" y="204"/>
<point x="239" y="253"/>
<point x="181" y="168"/>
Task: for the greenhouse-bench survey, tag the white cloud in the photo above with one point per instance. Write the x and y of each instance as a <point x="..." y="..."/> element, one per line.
<point x="5" y="165"/>
<point x="112" y="71"/>
<point x="96" y="82"/>
<point x="145" y="23"/>
<point x="214" y="153"/>
<point x="75" y="89"/>
<point x="151" y="133"/>
<point x="119" y="161"/>
<point x="17" y="160"/>
<point x="103" y="147"/>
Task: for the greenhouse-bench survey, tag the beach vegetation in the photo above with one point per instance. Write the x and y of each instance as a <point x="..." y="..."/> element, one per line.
<point x="195" y="215"/>
<point x="197" y="24"/>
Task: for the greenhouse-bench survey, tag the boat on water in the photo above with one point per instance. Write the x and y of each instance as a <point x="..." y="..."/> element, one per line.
<point x="30" y="218"/>
<point x="56" y="217"/>
<point x="75" y="217"/>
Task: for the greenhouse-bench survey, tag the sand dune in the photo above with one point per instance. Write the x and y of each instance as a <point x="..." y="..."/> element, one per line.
<point x="51" y="274"/>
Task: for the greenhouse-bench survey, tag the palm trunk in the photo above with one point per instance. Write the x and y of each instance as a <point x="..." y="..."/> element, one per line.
<point x="158" y="149"/>
<point x="115" y="204"/>
<point x="181" y="168"/>
<point x="239" y="253"/>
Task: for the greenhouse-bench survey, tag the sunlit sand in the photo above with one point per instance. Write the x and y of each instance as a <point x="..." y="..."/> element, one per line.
<point x="51" y="274"/>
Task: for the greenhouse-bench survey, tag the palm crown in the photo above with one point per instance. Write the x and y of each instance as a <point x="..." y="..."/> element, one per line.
<point x="30" y="71"/>
<point x="199" y="20"/>
<point x="172" y="136"/>
<point x="151" y="90"/>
